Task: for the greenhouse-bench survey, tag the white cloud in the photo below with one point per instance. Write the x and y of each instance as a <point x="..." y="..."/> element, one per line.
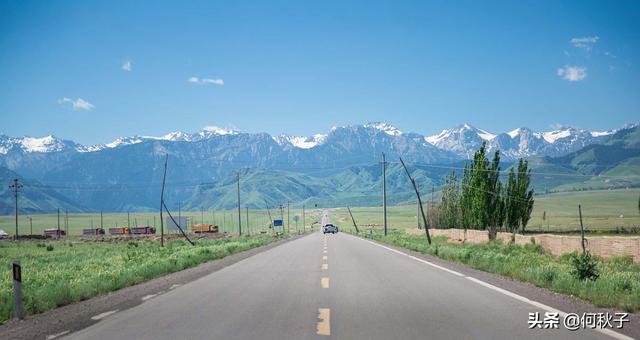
<point x="585" y="42"/>
<point x="126" y="65"/>
<point x="572" y="73"/>
<point x="78" y="104"/>
<point x="205" y="81"/>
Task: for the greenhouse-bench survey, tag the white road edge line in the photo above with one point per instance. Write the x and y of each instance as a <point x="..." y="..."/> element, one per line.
<point x="57" y="335"/>
<point x="103" y="315"/>
<point x="147" y="297"/>
<point x="536" y="304"/>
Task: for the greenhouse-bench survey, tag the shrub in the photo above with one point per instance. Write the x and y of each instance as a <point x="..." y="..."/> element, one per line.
<point x="585" y="266"/>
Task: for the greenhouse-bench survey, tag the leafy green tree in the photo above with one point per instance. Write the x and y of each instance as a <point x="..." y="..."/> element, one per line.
<point x="524" y="193"/>
<point x="465" y="198"/>
<point x="512" y="204"/>
<point x="450" y="203"/>
<point x="495" y="206"/>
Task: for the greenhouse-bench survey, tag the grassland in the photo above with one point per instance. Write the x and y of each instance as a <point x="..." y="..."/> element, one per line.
<point x="59" y="273"/>
<point x="618" y="285"/>
<point x="603" y="210"/>
<point x="226" y="220"/>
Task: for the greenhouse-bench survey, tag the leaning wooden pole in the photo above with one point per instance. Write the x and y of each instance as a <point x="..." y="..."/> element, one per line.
<point x="415" y="188"/>
<point x="270" y="219"/>
<point x="353" y="220"/>
<point x="582" y="241"/>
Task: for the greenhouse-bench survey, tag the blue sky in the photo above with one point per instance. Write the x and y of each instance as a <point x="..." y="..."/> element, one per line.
<point x="92" y="71"/>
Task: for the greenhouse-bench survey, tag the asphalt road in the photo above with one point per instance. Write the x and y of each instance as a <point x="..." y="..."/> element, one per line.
<point x="334" y="286"/>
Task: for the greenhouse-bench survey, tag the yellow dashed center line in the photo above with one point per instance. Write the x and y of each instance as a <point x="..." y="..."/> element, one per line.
<point x="324" y="282"/>
<point x="324" y="325"/>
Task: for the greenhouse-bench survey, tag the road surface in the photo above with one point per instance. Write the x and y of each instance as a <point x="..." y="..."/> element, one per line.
<point x="322" y="287"/>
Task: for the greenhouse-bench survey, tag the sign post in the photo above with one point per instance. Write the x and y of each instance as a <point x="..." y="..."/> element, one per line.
<point x="17" y="289"/>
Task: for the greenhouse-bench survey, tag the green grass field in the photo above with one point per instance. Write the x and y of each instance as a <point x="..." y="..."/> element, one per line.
<point x="226" y="220"/>
<point x="617" y="286"/>
<point x="60" y="272"/>
<point x="603" y="210"/>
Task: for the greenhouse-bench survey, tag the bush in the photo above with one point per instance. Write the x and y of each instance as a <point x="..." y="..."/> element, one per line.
<point x="585" y="266"/>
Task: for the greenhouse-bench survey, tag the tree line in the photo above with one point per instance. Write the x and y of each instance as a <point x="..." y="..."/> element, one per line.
<point x="481" y="201"/>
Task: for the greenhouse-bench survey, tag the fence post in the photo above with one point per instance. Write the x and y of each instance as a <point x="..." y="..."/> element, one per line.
<point x="582" y="240"/>
<point x="17" y="289"/>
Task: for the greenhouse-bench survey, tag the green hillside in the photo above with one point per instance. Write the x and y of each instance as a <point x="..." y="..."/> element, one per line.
<point x="357" y="186"/>
<point x="614" y="164"/>
<point x="33" y="196"/>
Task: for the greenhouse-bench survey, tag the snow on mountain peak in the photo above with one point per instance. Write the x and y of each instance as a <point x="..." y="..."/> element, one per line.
<point x="124" y="141"/>
<point x="553" y="136"/>
<point x="216" y="130"/>
<point x="384" y="127"/>
<point x="177" y="136"/>
<point x="459" y="130"/>
<point x="301" y="141"/>
<point x="45" y="144"/>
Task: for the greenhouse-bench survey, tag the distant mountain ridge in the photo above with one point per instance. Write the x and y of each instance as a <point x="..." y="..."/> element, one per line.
<point x="460" y="140"/>
<point x="126" y="174"/>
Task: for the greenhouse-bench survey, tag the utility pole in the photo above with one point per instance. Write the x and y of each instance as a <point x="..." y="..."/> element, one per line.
<point x="239" y="212"/>
<point x="415" y="188"/>
<point x="164" y="178"/>
<point x="353" y="220"/>
<point x="431" y="208"/>
<point x="16" y="186"/>
<point x="282" y="217"/>
<point x="418" y="213"/>
<point x="247" y="220"/>
<point x="384" y="192"/>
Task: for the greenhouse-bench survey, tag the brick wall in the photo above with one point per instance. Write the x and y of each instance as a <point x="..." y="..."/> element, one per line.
<point x="603" y="246"/>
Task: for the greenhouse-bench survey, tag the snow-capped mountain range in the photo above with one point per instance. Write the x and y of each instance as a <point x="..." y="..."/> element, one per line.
<point x="521" y="142"/>
<point x="461" y="140"/>
<point x="125" y="173"/>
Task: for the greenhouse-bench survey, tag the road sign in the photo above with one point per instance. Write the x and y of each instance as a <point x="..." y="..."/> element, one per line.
<point x="277" y="223"/>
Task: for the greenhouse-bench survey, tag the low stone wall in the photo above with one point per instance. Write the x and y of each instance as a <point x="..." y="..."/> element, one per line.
<point x="602" y="246"/>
